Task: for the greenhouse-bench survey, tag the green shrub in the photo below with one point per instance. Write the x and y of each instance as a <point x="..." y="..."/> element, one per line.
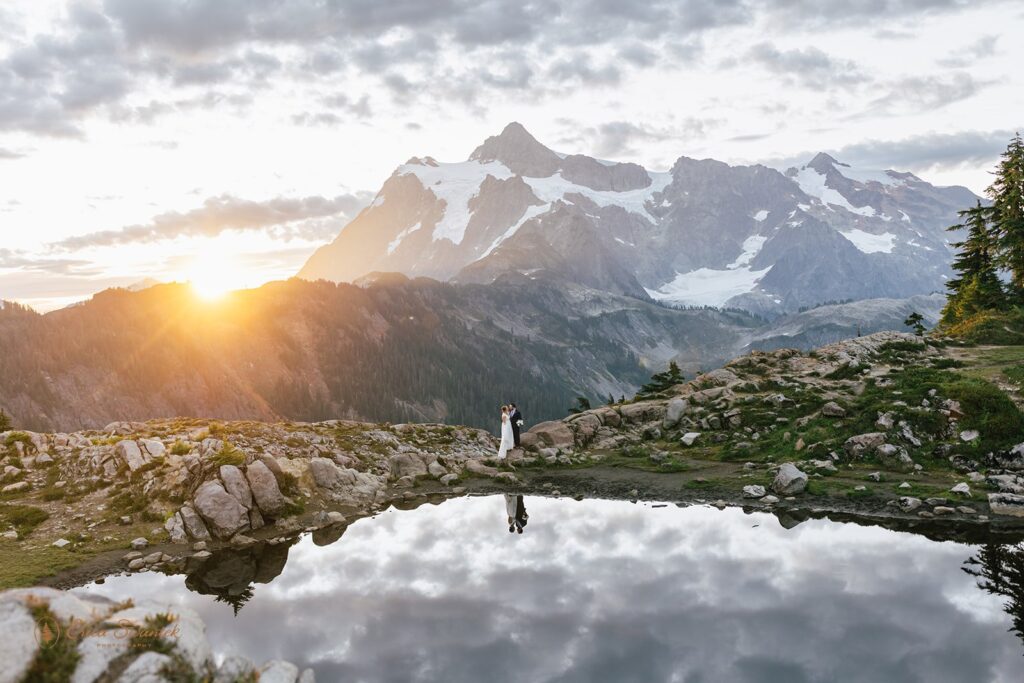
<point x="180" y="448"/>
<point x="987" y="409"/>
<point x="24" y="518"/>
<point x="228" y="455"/>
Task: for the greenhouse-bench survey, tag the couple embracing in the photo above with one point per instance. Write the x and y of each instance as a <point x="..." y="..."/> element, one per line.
<point x="511" y="421"/>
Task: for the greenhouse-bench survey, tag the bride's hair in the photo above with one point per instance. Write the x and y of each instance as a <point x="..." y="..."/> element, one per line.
<point x="504" y="409"/>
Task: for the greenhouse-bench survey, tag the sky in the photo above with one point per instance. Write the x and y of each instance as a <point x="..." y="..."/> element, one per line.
<point x="222" y="141"/>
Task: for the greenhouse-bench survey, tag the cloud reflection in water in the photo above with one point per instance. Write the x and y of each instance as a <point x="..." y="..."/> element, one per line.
<point x="610" y="591"/>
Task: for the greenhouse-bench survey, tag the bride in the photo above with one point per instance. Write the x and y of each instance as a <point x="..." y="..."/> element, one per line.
<point x="506" y="433"/>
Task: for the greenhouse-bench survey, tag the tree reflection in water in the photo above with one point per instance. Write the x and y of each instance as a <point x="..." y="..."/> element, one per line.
<point x="1000" y="571"/>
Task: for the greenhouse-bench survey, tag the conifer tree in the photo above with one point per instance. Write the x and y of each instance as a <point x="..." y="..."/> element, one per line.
<point x="915" y="321"/>
<point x="662" y="381"/>
<point x="976" y="286"/>
<point x="1007" y="214"/>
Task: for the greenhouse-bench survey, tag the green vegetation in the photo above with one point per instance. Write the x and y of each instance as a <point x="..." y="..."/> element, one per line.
<point x="582" y="403"/>
<point x="56" y="661"/>
<point x="661" y="381"/>
<point x="180" y="448"/>
<point x="5" y="421"/>
<point x="979" y="307"/>
<point x="228" y="455"/>
<point x="24" y="518"/>
<point x="915" y="321"/>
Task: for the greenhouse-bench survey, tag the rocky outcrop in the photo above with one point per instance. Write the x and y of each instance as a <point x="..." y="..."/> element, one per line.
<point x="224" y="515"/>
<point x="168" y="641"/>
<point x="265" y="490"/>
<point x="555" y="434"/>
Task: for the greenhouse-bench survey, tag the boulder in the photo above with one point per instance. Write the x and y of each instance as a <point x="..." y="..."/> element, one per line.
<point x="894" y="457"/>
<point x="153" y="447"/>
<point x="585" y="426"/>
<point x="857" y="446"/>
<point x="643" y="411"/>
<point x="235" y="668"/>
<point x="969" y="435"/>
<point x="194" y="525"/>
<point x="1011" y="504"/>
<point x="437" y="470"/>
<point x="674" y="411"/>
<point x="833" y="409"/>
<point x="477" y="467"/>
<point x="406" y="465"/>
<point x="555" y="434"/>
<point x="689" y="438"/>
<point x="608" y="416"/>
<point x="176" y="528"/>
<point x="129" y="453"/>
<point x="223" y="514"/>
<point x="909" y="503"/>
<point x="265" y="490"/>
<point x="754" y="491"/>
<point x="278" y="672"/>
<point x="236" y="485"/>
<point x="327" y="474"/>
<point x="18" y="646"/>
<point x="147" y="668"/>
<point x="962" y="489"/>
<point x="789" y="480"/>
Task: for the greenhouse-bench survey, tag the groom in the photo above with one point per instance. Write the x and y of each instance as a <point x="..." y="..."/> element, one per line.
<point x="515" y="417"/>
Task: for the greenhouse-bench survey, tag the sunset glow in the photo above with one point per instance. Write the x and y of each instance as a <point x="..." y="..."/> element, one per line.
<point x="213" y="275"/>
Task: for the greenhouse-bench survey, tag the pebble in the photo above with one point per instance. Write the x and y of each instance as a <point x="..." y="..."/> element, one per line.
<point x="943" y="510"/>
<point x="904" y="485"/>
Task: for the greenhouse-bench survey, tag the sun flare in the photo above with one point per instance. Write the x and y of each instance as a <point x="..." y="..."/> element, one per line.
<point x="215" y="275"/>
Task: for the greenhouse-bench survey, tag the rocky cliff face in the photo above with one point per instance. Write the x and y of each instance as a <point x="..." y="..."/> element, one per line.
<point x="703" y="233"/>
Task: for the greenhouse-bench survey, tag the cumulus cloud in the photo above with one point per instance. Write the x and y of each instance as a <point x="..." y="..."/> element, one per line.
<point x="922" y="93"/>
<point x="616" y="139"/>
<point x="281" y="217"/>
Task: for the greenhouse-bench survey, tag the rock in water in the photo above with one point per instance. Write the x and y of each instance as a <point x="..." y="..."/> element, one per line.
<point x="265" y="490"/>
<point x="224" y="515"/>
<point x="789" y="480"/>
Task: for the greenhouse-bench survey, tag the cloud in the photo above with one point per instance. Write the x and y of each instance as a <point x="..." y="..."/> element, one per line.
<point x="10" y="154"/>
<point x="917" y="153"/>
<point x="809" y="67"/>
<point x="923" y="93"/>
<point x="616" y="139"/>
<point x="280" y="217"/>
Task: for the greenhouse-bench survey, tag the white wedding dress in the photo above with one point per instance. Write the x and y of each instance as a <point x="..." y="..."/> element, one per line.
<point x="507" y="441"/>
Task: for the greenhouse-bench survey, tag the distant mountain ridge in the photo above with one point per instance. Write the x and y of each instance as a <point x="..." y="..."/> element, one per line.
<point x="703" y="233"/>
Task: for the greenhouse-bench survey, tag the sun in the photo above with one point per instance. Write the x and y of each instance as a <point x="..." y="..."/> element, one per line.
<point x="212" y="276"/>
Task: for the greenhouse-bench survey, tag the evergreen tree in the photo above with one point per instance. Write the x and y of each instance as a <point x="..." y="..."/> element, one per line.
<point x="915" y="322"/>
<point x="582" y="403"/>
<point x="976" y="287"/>
<point x="662" y="381"/>
<point x="5" y="421"/>
<point x="1007" y="214"/>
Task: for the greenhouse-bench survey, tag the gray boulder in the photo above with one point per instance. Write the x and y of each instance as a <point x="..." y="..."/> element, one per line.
<point x="406" y="465"/>
<point x="754" y="491"/>
<point x="223" y="514"/>
<point x="236" y="485"/>
<point x="265" y="490"/>
<point x="327" y="475"/>
<point x="674" y="411"/>
<point x="194" y="524"/>
<point x="894" y="457"/>
<point x="18" y="646"/>
<point x="833" y="409"/>
<point x="858" y="446"/>
<point x="909" y="503"/>
<point x="1010" y="504"/>
<point x="555" y="434"/>
<point x="176" y="528"/>
<point x="131" y="455"/>
<point x="789" y="480"/>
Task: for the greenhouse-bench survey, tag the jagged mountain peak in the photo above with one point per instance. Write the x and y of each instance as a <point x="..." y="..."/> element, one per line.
<point x="519" y="151"/>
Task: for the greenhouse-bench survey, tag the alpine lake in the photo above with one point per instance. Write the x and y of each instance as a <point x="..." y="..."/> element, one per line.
<point x="610" y="590"/>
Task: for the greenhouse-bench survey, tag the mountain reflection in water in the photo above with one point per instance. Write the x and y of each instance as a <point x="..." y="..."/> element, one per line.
<point x="610" y="591"/>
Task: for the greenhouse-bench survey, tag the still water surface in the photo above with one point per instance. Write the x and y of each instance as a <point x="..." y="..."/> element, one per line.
<point x="609" y="591"/>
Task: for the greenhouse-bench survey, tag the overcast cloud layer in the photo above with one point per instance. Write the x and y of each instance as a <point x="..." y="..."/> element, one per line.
<point x="149" y="120"/>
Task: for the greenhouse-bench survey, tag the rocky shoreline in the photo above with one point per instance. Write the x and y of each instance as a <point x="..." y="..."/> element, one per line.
<point x="886" y="429"/>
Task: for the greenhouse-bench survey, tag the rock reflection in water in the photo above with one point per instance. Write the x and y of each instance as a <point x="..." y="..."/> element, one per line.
<point x="230" y="574"/>
<point x="609" y="591"/>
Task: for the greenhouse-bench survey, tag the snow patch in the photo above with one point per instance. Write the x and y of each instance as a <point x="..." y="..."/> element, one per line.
<point x="863" y="175"/>
<point x="813" y="184"/>
<point x="622" y="241"/>
<point x="761" y="215"/>
<point x="751" y="248"/>
<point x="707" y="287"/>
<point x="870" y="243"/>
<point x="555" y="188"/>
<point x="393" y="244"/>
<point x="531" y="211"/>
<point x="456" y="184"/>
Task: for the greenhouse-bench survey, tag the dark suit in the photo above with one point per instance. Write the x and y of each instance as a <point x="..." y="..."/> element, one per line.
<point x="515" y="417"/>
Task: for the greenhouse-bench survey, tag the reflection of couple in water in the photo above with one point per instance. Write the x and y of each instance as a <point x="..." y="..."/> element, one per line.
<point x="515" y="508"/>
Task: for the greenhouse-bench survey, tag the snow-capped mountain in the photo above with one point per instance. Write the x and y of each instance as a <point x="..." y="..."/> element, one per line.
<point x="703" y="233"/>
